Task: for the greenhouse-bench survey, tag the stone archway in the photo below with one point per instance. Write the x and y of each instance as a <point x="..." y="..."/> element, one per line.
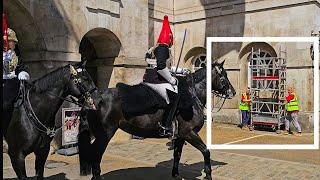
<point x="265" y="48"/>
<point x="31" y="41"/>
<point x="100" y="47"/>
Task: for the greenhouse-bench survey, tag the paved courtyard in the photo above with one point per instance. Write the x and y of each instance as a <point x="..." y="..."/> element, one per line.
<point x="150" y="159"/>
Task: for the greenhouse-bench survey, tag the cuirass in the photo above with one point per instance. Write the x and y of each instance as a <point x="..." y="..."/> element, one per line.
<point x="10" y="62"/>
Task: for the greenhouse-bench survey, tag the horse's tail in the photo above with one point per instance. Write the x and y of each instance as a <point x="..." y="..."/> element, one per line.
<point x="84" y="146"/>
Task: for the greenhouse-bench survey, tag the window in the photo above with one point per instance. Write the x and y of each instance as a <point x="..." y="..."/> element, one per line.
<point x="199" y="61"/>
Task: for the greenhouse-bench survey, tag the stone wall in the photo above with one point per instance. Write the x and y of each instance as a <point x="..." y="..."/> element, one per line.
<point x="50" y="34"/>
<point x="251" y="18"/>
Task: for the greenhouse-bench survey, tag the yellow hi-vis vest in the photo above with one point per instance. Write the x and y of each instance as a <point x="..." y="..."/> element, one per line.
<point x="293" y="104"/>
<point x="244" y="106"/>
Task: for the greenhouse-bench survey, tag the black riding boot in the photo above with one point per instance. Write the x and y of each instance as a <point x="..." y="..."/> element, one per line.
<point x="166" y="127"/>
<point x="9" y="94"/>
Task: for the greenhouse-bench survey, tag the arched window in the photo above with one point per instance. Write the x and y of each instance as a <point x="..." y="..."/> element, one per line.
<point x="195" y="58"/>
<point x="199" y="61"/>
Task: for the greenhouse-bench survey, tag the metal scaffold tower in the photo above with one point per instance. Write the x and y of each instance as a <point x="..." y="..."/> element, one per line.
<point x="268" y="88"/>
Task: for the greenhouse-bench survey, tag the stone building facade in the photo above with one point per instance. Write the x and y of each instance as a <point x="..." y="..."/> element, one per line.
<point x="113" y="35"/>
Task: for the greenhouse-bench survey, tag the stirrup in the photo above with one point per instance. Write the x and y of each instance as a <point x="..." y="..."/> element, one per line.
<point x="164" y="131"/>
<point x="170" y="145"/>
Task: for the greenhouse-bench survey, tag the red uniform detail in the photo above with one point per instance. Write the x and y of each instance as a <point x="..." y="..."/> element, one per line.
<point x="5" y="32"/>
<point x="166" y="36"/>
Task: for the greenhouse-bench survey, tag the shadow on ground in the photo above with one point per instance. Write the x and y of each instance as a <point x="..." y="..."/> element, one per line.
<point x="161" y="171"/>
<point x="53" y="177"/>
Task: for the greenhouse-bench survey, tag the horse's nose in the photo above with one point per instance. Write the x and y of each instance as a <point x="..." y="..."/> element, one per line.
<point x="231" y="93"/>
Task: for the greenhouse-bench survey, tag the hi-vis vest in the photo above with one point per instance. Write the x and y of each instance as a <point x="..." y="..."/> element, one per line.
<point x="244" y="106"/>
<point x="293" y="104"/>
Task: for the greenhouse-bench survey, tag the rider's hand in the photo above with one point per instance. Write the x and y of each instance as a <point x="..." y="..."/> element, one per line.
<point x="148" y="56"/>
<point x="174" y="81"/>
<point x="23" y="76"/>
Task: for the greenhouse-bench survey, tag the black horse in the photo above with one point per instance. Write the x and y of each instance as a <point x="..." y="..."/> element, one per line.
<point x="32" y="127"/>
<point x="110" y="117"/>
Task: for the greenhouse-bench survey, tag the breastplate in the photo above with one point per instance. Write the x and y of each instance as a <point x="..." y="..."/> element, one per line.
<point x="10" y="62"/>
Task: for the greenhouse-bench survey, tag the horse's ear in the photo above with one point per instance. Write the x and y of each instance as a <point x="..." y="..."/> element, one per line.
<point x="222" y="63"/>
<point x="83" y="63"/>
<point x="215" y="63"/>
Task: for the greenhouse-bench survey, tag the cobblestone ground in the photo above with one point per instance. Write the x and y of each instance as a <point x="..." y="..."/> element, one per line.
<point x="150" y="159"/>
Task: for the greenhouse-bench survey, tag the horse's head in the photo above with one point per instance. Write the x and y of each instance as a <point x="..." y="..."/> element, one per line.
<point x="220" y="82"/>
<point x="81" y="85"/>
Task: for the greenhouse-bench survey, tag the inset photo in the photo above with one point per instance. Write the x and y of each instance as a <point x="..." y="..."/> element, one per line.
<point x="264" y="96"/>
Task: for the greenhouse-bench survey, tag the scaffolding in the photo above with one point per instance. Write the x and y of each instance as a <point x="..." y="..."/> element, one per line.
<point x="267" y="88"/>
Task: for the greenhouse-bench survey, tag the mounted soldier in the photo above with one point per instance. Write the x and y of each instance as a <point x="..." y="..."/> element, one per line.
<point x="13" y="72"/>
<point x="158" y="75"/>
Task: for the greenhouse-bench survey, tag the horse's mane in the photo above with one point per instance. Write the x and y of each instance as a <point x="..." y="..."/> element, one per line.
<point x="51" y="79"/>
<point x="199" y="75"/>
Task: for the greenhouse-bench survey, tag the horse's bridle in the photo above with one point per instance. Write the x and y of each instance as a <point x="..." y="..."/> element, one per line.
<point x="216" y="93"/>
<point x="224" y="83"/>
<point x="33" y="117"/>
<point x="225" y="86"/>
<point x="85" y="94"/>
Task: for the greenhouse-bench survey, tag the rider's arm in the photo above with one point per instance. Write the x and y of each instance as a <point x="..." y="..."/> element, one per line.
<point x="21" y="66"/>
<point x="162" y="54"/>
<point x="22" y="71"/>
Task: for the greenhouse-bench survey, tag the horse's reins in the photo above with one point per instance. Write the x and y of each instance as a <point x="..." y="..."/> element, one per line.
<point x="216" y="93"/>
<point x="48" y="131"/>
<point x="33" y="116"/>
<point x="224" y="100"/>
<point x="204" y="106"/>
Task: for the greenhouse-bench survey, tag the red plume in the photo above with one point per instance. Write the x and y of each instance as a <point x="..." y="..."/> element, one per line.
<point x="166" y="36"/>
<point x="5" y="31"/>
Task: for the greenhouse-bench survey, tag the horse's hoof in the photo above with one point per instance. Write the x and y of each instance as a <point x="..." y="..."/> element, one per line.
<point x="208" y="177"/>
<point x="175" y="174"/>
<point x="40" y="178"/>
<point x="83" y="173"/>
<point x="96" y="178"/>
<point x="85" y="170"/>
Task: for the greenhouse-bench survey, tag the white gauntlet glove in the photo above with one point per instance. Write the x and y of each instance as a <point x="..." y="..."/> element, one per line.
<point x="183" y="71"/>
<point x="165" y="73"/>
<point x="23" y="76"/>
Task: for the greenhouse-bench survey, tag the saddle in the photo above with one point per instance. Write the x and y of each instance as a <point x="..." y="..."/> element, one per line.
<point x="140" y="99"/>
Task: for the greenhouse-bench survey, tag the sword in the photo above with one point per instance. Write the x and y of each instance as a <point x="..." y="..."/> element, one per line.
<point x="184" y="38"/>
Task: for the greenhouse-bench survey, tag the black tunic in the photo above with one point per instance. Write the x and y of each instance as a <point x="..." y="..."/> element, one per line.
<point x="162" y="53"/>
